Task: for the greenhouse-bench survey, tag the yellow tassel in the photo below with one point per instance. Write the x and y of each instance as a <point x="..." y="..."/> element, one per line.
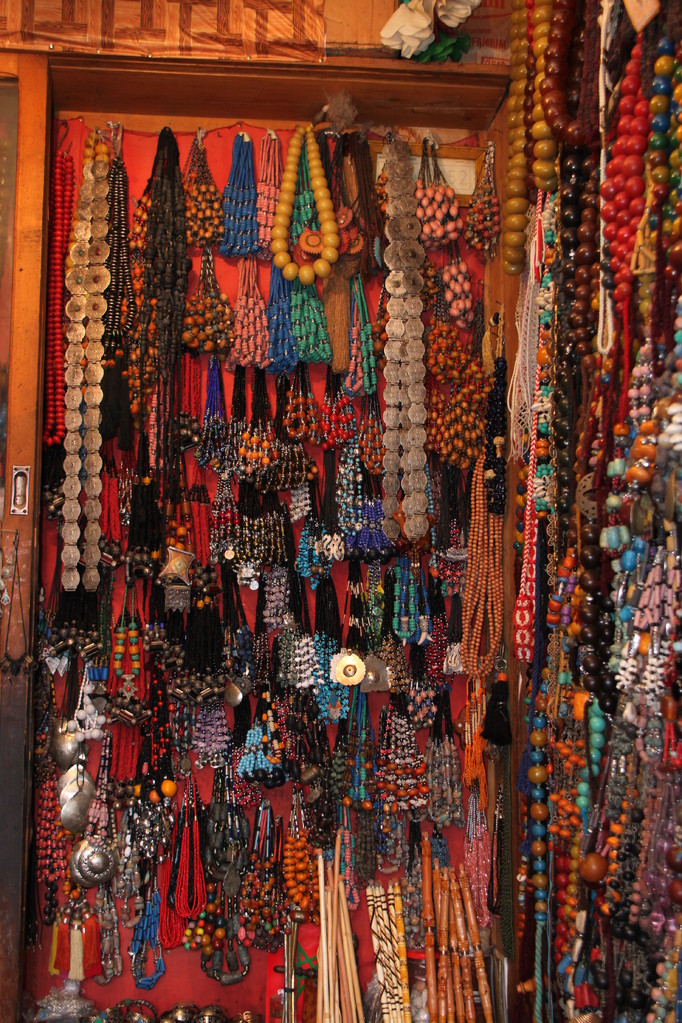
<point x="53" y="951"/>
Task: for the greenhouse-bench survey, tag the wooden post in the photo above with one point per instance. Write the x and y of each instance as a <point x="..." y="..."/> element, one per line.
<point x="24" y="424"/>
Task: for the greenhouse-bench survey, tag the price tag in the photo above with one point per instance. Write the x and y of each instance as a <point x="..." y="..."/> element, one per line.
<point x="641" y="12"/>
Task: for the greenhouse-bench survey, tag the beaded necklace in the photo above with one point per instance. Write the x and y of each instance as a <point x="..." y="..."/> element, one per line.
<point x="303" y="168"/>
<point x="251" y="340"/>
<point x="86" y="279"/>
<point x="61" y="201"/>
<point x="202" y="199"/>
<point x="483" y="217"/>
<point x="145" y="939"/>
<point x="390" y="649"/>
<point x="309" y="323"/>
<point x="261" y="919"/>
<point x="302" y="414"/>
<point x="208" y="321"/>
<point x="270" y="176"/>
<point x="332" y="697"/>
<point x="400" y="766"/>
<point x="483" y="594"/>
<point x="282" y="353"/>
<point x="115" y="408"/>
<point x="442" y="768"/>
<point x="299" y="867"/>
<point x="359" y="785"/>
<point x="240" y="231"/>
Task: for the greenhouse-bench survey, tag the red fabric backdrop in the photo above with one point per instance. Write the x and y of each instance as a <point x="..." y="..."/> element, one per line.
<point x="184" y="980"/>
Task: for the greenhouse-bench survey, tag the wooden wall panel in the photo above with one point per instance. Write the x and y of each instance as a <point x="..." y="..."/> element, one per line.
<point x="282" y="29"/>
<point x="24" y="424"/>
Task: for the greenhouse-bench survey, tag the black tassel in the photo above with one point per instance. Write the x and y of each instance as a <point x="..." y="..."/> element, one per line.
<point x="497" y="726"/>
<point x="125" y="418"/>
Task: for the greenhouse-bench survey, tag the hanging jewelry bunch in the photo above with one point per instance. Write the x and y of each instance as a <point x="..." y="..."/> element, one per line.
<point x="589" y="206"/>
<point x="215" y="732"/>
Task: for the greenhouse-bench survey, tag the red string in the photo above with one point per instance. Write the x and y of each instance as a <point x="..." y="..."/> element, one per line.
<point x="104" y="501"/>
<point x="190" y="904"/>
<point x="171" y="924"/>
<point x="114" y="510"/>
<point x="195" y="404"/>
<point x="627" y="355"/>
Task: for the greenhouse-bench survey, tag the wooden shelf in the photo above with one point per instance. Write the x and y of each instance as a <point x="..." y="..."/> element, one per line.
<point x="387" y="92"/>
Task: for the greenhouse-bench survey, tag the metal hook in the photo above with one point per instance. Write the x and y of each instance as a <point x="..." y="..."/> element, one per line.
<point x="62" y="132"/>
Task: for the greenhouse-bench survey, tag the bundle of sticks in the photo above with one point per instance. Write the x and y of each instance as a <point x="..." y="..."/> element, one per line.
<point x="339" y="999"/>
<point x="390" y="951"/>
<point x="449" y="912"/>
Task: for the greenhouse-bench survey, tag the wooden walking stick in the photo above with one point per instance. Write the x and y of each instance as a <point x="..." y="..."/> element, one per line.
<point x="402" y="951"/>
<point x="347" y="1002"/>
<point x="444" y="960"/>
<point x="454" y="960"/>
<point x="429" y="936"/>
<point x="481" y="976"/>
<point x="347" y="933"/>
<point x="463" y="942"/>
<point x="322" y="970"/>
<point x="375" y="931"/>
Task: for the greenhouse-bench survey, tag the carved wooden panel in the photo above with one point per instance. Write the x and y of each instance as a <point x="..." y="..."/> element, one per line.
<point x="280" y="29"/>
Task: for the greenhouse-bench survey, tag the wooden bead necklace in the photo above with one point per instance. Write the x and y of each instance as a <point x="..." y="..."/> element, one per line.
<point x="292" y="468"/>
<point x="458" y="294"/>
<point x="208" y="321"/>
<point x="370" y="436"/>
<point x="62" y="184"/>
<point x="302" y="414"/>
<point x="303" y="146"/>
<point x="455" y="424"/>
<point x="483" y="217"/>
<point x="561" y="64"/>
<point x="515" y="200"/>
<point x="544" y="147"/>
<point x="258" y="449"/>
<point x="261" y="907"/>
<point x="203" y="206"/>
<point x="299" y="867"/>
<point x="438" y="210"/>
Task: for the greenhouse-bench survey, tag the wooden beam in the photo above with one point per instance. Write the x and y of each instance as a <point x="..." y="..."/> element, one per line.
<point x="386" y="91"/>
<point x="24" y="422"/>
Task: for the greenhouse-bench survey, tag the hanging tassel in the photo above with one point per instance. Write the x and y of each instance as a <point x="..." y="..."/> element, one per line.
<point x="92" y="961"/>
<point x="496" y="726"/>
<point x="76" y="954"/>
<point x="125" y="416"/>
<point x="63" y="954"/>
<point x="51" y="967"/>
